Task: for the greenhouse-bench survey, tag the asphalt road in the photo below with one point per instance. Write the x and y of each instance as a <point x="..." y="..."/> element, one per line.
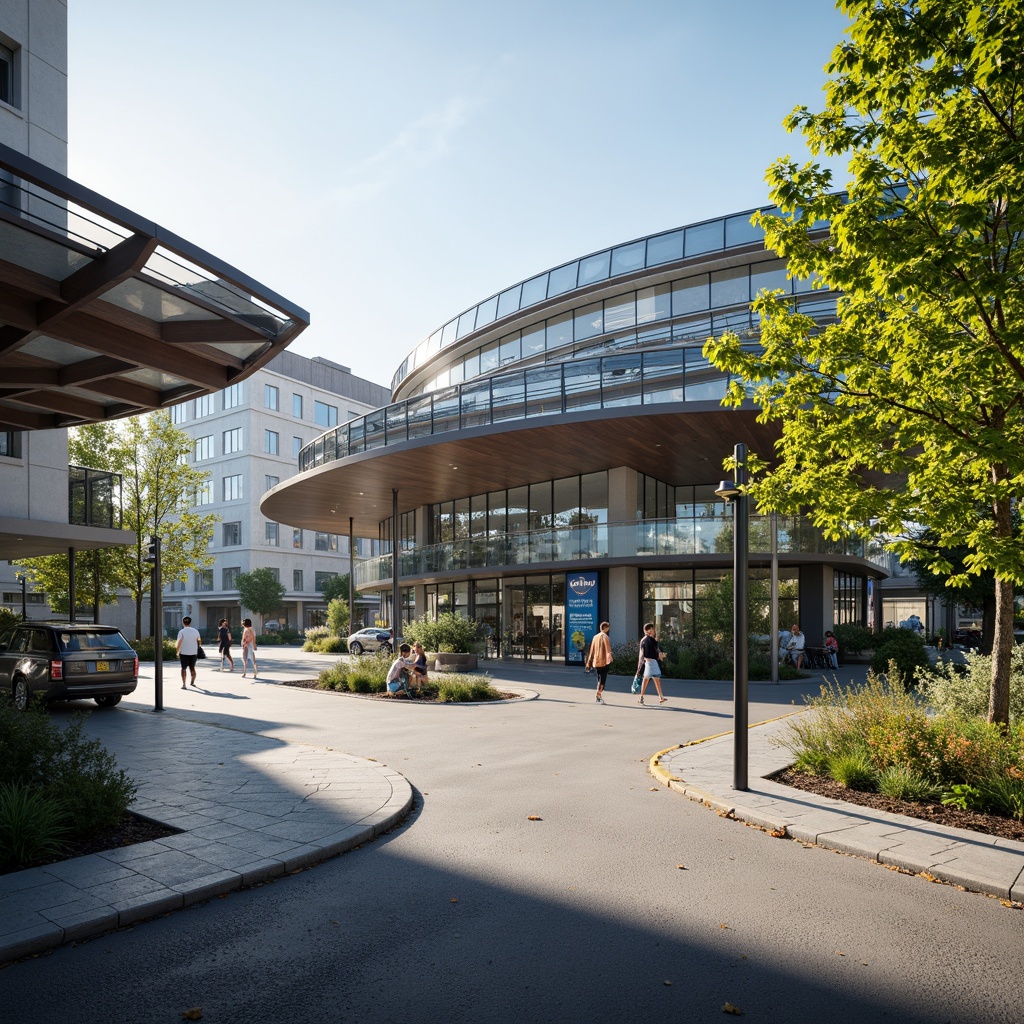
<point x="624" y="902"/>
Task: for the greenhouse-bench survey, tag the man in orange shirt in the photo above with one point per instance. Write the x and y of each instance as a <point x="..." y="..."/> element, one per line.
<point x="599" y="657"/>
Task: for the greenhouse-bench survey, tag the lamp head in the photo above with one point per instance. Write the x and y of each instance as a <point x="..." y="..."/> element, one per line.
<point x="728" y="490"/>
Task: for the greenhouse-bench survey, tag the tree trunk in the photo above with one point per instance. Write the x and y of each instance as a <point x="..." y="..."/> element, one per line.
<point x="1002" y="640"/>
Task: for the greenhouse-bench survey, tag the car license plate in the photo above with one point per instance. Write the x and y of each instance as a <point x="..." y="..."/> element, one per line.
<point x="102" y="666"/>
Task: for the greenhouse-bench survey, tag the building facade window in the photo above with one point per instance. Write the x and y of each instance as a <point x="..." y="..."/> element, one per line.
<point x="8" y="76"/>
<point x="321" y="579"/>
<point x="204" y="579"/>
<point x="325" y="415"/>
<point x="233" y="396"/>
<point x="270" y="482"/>
<point x="271" y="397"/>
<point x="297" y="406"/>
<point x="204" y="406"/>
<point x="297" y="581"/>
<point x="297" y="539"/>
<point x="10" y="444"/>
<point x="204" y="493"/>
<point x="231" y="534"/>
<point x="326" y="542"/>
<point x="179" y="413"/>
<point x="233" y="487"/>
<point x="275" y="574"/>
<point x="271" y="534"/>
<point x="232" y="441"/>
<point x="229" y="577"/>
<point x="204" y="447"/>
<point x="271" y="442"/>
<point x="296" y="446"/>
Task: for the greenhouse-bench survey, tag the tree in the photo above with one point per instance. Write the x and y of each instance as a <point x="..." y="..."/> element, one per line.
<point x="158" y="488"/>
<point x="260" y="591"/>
<point x="94" y="579"/>
<point x="337" y="616"/>
<point x="336" y="586"/>
<point x="909" y="409"/>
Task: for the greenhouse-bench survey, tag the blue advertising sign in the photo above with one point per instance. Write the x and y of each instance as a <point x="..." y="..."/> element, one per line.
<point x="580" y="614"/>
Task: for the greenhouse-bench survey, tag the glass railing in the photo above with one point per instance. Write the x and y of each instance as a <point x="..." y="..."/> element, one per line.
<point x="643" y="253"/>
<point x="705" y="535"/>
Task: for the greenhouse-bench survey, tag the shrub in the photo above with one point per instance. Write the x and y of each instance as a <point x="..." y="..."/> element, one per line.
<point x="271" y="639"/>
<point x="458" y="689"/>
<point x="902" y="783"/>
<point x="31" y="826"/>
<point x="337" y="616"/>
<point x="853" y="769"/>
<point x="8" y="618"/>
<point x="900" y="653"/>
<point x="146" y="646"/>
<point x="964" y="690"/>
<point x="449" y="633"/>
<point x="332" y="645"/>
<point x="854" y="639"/>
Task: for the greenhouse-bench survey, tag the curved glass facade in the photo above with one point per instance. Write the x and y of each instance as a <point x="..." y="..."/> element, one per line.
<point x="648" y="253"/>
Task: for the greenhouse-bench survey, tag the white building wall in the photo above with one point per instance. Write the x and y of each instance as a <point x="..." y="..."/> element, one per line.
<point x="312" y="380"/>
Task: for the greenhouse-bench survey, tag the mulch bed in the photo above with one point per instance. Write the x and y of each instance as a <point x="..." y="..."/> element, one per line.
<point x="934" y="813"/>
<point x="314" y="684"/>
<point x="127" y="832"/>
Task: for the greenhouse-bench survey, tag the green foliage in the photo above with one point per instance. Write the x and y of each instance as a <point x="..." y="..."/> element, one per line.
<point x="260" y="590"/>
<point x="337" y="616"/>
<point x="450" y="633"/>
<point x="145" y="648"/>
<point x="31" y="826"/>
<point x="369" y="675"/>
<point x="853" y="769"/>
<point x="920" y="377"/>
<point x="854" y="639"/>
<point x="78" y="774"/>
<point x="8" y="618"/>
<point x="335" y="587"/>
<point x="901" y="653"/>
<point x="964" y="690"/>
<point x="902" y="783"/>
<point x="455" y="689"/>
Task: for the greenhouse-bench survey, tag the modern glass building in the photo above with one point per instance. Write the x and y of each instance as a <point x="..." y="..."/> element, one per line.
<point x="569" y="425"/>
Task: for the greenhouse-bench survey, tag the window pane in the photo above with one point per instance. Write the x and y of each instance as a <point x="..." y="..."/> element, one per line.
<point x="509" y="350"/>
<point x="739" y="231"/>
<point x="270" y="396"/>
<point x="489" y="358"/>
<point x="476" y="404"/>
<point x="729" y="287"/>
<point x="544" y="391"/>
<point x="533" y="340"/>
<point x="508" y="301"/>
<point x="396" y="422"/>
<point x="583" y="385"/>
<point x="508" y="397"/>
<point x="705" y="237"/>
<point x="620" y="312"/>
<point x="534" y="291"/>
<point x="690" y="295"/>
<point x="769" y="275"/>
<point x="594" y="268"/>
<point x="627" y="258"/>
<point x="664" y="248"/>
<point x="589" y="322"/>
<point x="663" y="377"/>
<point x="621" y="380"/>
<point x="563" y="279"/>
<point x="559" y="331"/>
<point x="487" y="311"/>
<point x="653" y="304"/>
<point x="466" y="323"/>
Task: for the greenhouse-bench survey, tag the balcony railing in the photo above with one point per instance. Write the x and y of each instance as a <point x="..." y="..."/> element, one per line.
<point x="94" y="498"/>
<point x="706" y="535"/>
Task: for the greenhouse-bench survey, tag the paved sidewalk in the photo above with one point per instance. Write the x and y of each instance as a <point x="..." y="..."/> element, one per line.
<point x="704" y="772"/>
<point x="250" y="807"/>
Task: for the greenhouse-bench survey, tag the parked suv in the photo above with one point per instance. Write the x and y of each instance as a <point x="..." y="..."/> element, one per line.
<point x="61" y="661"/>
<point x="371" y="640"/>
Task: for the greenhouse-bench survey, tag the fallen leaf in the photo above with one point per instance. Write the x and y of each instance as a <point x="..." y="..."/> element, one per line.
<point x="653" y="789"/>
<point x="663" y="983"/>
<point x="452" y="900"/>
<point x="778" y="833"/>
<point x="723" y="926"/>
<point x="729" y="1008"/>
<point x="839" y="952"/>
<point x="534" y="817"/>
<point x="196" y="1013"/>
<point x="682" y="867"/>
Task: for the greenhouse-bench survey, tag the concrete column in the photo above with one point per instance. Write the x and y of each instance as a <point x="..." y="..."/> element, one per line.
<point x="624" y="603"/>
<point x="816" y="610"/>
<point x="622" y="505"/>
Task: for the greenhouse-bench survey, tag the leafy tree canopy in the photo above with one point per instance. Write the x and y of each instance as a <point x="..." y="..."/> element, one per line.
<point x="910" y="407"/>
<point x="260" y="591"/>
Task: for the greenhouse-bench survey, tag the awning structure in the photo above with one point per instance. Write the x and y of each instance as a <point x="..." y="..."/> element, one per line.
<point x="104" y="314"/>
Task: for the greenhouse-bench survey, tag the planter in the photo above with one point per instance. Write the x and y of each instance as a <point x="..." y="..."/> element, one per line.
<point x="444" y="662"/>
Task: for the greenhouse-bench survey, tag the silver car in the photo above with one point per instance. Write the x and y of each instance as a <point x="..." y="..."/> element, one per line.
<point x="371" y="640"/>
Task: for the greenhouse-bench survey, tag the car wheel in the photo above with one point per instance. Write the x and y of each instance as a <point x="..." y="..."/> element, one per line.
<point x="108" y="702"/>
<point x="21" y="694"/>
<point x="385" y="648"/>
<point x="356" y="648"/>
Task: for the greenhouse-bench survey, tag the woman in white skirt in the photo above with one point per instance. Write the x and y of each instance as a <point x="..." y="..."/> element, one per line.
<point x="651" y="657"/>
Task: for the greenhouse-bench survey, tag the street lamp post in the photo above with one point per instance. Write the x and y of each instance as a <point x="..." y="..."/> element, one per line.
<point x="734" y="492"/>
<point x="23" y="580"/>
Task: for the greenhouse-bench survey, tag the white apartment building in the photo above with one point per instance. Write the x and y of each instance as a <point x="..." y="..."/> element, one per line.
<point x="247" y="437"/>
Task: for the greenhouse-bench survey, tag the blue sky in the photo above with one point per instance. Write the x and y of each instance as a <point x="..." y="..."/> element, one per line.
<point x="388" y="164"/>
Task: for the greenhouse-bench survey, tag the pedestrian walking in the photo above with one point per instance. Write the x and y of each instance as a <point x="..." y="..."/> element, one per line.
<point x="651" y="657"/>
<point x="224" y="645"/>
<point x="187" y="649"/>
<point x="248" y="647"/>
<point x="599" y="658"/>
